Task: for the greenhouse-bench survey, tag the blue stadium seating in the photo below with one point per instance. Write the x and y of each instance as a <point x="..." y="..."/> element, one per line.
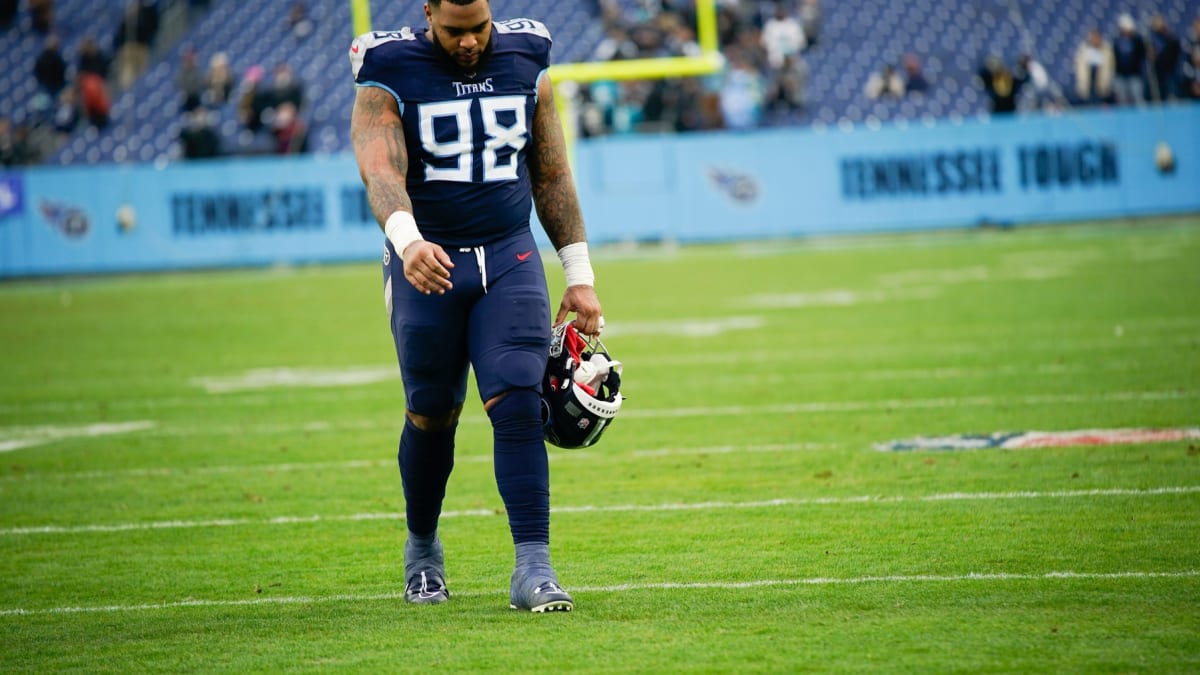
<point x="950" y="37"/>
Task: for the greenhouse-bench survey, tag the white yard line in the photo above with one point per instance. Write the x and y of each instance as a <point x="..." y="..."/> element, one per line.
<point x="243" y="399"/>
<point x="15" y="438"/>
<point x="889" y="579"/>
<point x="611" y="508"/>
<point x="906" y="404"/>
<point x="630" y="412"/>
<point x="350" y="464"/>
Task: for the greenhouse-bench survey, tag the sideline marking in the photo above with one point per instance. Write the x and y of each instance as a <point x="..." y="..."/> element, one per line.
<point x="1024" y="440"/>
<point x="619" y="588"/>
<point x="615" y="508"/>
<point x="15" y="438"/>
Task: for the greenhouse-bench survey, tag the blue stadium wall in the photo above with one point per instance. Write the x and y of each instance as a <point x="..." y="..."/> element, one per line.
<point x="700" y="187"/>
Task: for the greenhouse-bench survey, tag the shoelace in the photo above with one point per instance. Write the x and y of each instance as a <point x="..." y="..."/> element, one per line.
<point x="548" y="587"/>
<point x="425" y="585"/>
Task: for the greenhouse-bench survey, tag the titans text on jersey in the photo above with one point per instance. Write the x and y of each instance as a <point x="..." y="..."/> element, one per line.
<point x="466" y="133"/>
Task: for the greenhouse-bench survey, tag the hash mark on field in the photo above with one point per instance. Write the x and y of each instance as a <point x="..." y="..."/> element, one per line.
<point x="621" y="588"/>
<point x="614" y="508"/>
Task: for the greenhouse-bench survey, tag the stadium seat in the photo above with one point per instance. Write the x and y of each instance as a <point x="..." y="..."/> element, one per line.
<point x="951" y="38"/>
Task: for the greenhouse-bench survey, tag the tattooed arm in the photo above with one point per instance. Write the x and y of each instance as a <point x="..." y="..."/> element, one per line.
<point x="558" y="209"/>
<point x="377" y="134"/>
<point x="550" y="174"/>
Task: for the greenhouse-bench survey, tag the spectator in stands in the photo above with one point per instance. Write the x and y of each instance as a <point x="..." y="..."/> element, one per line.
<point x="298" y="22"/>
<point x="291" y="134"/>
<point x="50" y="68"/>
<point x="1046" y="94"/>
<point x="218" y="81"/>
<point x="1095" y="65"/>
<point x="782" y="36"/>
<point x="198" y="137"/>
<point x="788" y="85"/>
<point x="8" y="144"/>
<point x="915" y="81"/>
<point x="810" y="19"/>
<point x="741" y="92"/>
<point x="92" y="59"/>
<point x="135" y="35"/>
<point x="1002" y="85"/>
<point x="681" y="38"/>
<point x="191" y="80"/>
<point x="627" y="113"/>
<point x="66" y="112"/>
<point x="1129" y="49"/>
<point x="15" y="149"/>
<point x="699" y="109"/>
<point x="1165" y="50"/>
<point x="286" y="88"/>
<point x="254" y="99"/>
<point x="93" y="94"/>
<point x="614" y="45"/>
<point x="885" y="83"/>
<point x="649" y="40"/>
<point x="1190" y="77"/>
<point x="8" y="13"/>
<point x="1191" y="41"/>
<point x="41" y="15"/>
<point x="731" y="22"/>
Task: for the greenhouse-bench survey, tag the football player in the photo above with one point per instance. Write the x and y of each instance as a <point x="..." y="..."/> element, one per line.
<point x="455" y="132"/>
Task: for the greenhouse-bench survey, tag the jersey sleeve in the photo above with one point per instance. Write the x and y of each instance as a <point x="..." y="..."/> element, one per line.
<point x="369" y="53"/>
<point x="535" y="35"/>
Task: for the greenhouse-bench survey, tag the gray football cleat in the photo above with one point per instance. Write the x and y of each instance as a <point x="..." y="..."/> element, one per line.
<point x="538" y="591"/>
<point x="425" y="574"/>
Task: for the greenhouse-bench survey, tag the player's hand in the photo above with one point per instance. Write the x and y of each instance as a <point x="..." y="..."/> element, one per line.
<point x="427" y="267"/>
<point x="583" y="301"/>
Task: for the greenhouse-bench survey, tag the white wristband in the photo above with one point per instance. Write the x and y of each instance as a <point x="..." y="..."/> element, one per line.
<point x="401" y="230"/>
<point x="577" y="267"/>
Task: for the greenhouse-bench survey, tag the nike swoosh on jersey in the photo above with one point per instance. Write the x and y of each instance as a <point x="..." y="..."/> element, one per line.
<point x="524" y="256"/>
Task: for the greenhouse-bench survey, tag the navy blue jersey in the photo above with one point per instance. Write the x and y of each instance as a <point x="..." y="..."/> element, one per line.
<point x="467" y="135"/>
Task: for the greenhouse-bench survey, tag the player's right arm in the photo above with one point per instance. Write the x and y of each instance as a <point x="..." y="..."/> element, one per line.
<point x="377" y="134"/>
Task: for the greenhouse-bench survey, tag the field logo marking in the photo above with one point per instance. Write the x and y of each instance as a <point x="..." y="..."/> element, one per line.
<point x="1023" y="440"/>
<point x="15" y="438"/>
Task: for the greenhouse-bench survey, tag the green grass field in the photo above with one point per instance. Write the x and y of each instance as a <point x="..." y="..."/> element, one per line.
<point x="197" y="471"/>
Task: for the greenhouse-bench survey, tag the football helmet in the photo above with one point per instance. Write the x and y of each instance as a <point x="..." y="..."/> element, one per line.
<point x="581" y="389"/>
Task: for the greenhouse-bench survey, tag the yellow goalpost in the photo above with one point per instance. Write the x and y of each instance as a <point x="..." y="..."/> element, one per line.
<point x="707" y="62"/>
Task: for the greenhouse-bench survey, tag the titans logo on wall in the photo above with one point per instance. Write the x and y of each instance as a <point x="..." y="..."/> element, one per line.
<point x="742" y="188"/>
<point x="69" y="220"/>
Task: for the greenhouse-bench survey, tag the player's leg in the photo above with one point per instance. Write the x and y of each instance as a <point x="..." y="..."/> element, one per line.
<point x="430" y="337"/>
<point x="509" y="342"/>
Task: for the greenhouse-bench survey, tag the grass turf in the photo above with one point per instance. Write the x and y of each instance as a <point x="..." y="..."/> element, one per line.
<point x="737" y="517"/>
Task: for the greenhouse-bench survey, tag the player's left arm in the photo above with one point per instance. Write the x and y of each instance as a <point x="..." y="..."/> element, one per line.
<point x="557" y="206"/>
